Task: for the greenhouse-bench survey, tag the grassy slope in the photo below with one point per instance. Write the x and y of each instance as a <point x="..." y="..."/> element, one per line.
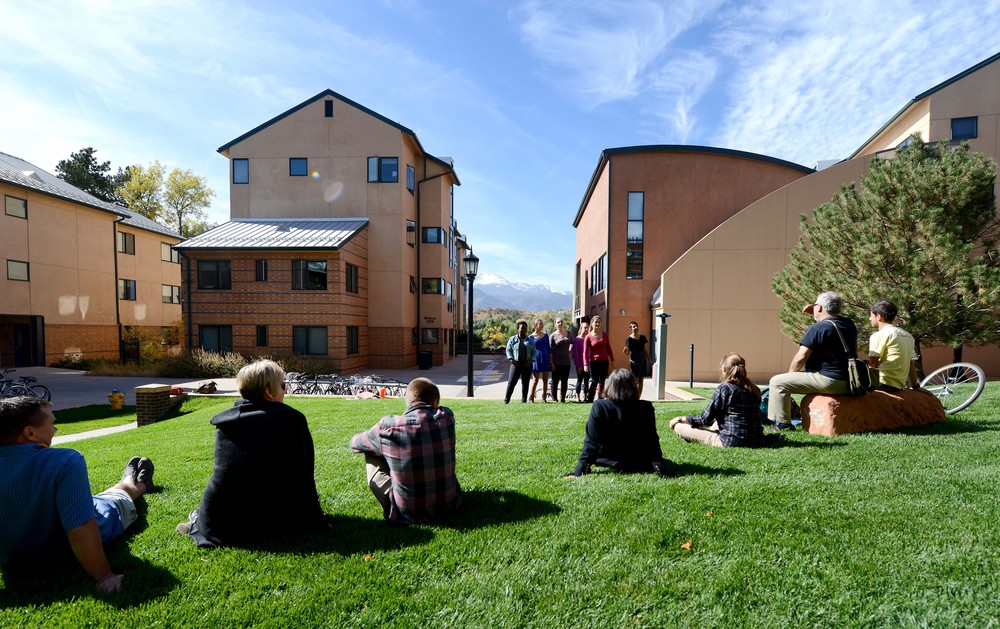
<point x="858" y="530"/>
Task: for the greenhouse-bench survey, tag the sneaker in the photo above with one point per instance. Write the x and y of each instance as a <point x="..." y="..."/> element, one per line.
<point x="185" y="527"/>
<point x="781" y="426"/>
<point x="144" y="473"/>
<point x="130" y="469"/>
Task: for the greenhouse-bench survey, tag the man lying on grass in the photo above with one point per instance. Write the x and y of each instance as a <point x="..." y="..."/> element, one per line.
<point x="411" y="458"/>
<point x="46" y="510"/>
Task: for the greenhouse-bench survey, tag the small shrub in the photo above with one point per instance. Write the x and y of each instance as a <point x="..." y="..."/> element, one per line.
<point x="199" y="363"/>
<point x="297" y="363"/>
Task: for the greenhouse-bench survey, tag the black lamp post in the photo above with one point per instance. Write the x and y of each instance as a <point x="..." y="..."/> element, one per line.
<point x="471" y="268"/>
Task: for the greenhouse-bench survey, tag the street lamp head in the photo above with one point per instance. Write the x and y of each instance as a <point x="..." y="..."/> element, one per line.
<point x="471" y="265"/>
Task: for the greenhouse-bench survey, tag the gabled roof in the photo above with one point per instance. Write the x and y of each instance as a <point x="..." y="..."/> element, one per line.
<point x="331" y="94"/>
<point x="277" y="233"/>
<point x="17" y="172"/>
<point x="676" y="148"/>
<point x="921" y="96"/>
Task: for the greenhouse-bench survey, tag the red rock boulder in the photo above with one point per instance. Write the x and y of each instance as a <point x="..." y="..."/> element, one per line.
<point x="831" y="415"/>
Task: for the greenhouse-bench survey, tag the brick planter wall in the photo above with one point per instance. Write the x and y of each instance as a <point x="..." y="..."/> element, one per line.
<point x="152" y="401"/>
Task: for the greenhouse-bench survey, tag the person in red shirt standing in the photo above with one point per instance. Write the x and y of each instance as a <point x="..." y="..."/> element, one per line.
<point x="598" y="358"/>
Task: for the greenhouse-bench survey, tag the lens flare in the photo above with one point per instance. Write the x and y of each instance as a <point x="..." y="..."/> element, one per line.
<point x="315" y="174"/>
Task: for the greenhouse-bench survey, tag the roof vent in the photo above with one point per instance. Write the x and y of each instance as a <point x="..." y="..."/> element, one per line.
<point x="30" y="174"/>
<point x="282" y="228"/>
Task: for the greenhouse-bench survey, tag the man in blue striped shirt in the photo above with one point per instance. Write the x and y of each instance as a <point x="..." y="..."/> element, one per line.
<point x="46" y="508"/>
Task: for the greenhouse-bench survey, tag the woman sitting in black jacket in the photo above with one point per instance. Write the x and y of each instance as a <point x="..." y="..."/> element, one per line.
<point x="262" y="481"/>
<point x="621" y="431"/>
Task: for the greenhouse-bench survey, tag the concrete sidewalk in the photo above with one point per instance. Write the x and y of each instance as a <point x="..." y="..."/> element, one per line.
<point x="71" y="389"/>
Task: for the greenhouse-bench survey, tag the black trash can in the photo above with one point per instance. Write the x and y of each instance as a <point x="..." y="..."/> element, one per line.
<point x="424" y="359"/>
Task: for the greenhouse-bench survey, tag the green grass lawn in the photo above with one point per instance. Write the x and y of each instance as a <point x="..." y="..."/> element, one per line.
<point x="895" y="529"/>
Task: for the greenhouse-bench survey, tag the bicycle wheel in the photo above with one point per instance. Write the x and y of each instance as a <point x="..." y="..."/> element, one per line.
<point x="42" y="391"/>
<point x="957" y="385"/>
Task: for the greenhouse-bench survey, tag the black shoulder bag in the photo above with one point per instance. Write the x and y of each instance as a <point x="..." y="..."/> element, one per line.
<point x="859" y="379"/>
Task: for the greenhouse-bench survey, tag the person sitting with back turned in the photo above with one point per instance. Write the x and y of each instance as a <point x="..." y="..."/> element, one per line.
<point x="732" y="418"/>
<point x="621" y="431"/>
<point x="262" y="482"/>
<point x="821" y="355"/>
<point x="46" y="509"/>
<point x="890" y="349"/>
<point x="410" y="458"/>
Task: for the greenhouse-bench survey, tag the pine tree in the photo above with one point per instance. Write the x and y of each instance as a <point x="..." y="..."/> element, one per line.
<point x="919" y="230"/>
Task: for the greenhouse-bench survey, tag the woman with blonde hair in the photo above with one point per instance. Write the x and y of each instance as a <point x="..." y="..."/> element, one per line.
<point x="732" y="418"/>
<point x="598" y="359"/>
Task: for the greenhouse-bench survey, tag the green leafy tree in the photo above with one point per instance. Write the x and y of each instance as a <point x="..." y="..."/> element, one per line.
<point x="186" y="196"/>
<point x="84" y="171"/>
<point x="919" y="230"/>
<point x="177" y="200"/>
<point x="494" y="337"/>
<point x="143" y="192"/>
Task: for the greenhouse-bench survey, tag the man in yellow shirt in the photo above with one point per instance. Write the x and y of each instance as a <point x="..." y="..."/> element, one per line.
<point x="890" y="349"/>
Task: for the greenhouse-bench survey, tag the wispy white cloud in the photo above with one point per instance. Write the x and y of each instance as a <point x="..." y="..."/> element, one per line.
<point x="810" y="84"/>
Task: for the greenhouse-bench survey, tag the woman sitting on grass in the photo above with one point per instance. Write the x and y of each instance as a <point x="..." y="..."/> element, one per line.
<point x="262" y="483"/>
<point x="621" y="431"/>
<point x="732" y="418"/>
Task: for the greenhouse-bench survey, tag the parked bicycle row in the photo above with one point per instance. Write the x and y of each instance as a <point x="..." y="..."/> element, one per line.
<point x="332" y="384"/>
<point x="22" y="385"/>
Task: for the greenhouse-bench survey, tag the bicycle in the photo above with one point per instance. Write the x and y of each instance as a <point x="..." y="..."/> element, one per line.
<point x="956" y="385"/>
<point x="22" y="385"/>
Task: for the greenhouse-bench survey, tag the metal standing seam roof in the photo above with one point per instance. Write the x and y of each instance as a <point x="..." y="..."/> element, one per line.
<point x="278" y="233"/>
<point x="17" y="172"/>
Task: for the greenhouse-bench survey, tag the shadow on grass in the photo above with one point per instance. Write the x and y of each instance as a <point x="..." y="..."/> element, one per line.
<point x="692" y="469"/>
<point x="92" y="412"/>
<point x="347" y="535"/>
<point x="950" y="426"/>
<point x="481" y="508"/>
<point x="62" y="579"/>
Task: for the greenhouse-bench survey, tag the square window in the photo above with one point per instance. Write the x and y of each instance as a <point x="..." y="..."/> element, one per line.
<point x="432" y="286"/>
<point x="310" y="340"/>
<point x="430" y="336"/>
<point x="126" y="290"/>
<point x="353" y="339"/>
<point x="432" y="235"/>
<point x="17" y="270"/>
<point x="14" y="206"/>
<point x="214" y="274"/>
<point x="171" y="294"/>
<point x="298" y="167"/>
<point x="126" y="243"/>
<point x="383" y="169"/>
<point x="241" y="170"/>
<point x="308" y="275"/>
<point x="964" y="128"/>
<point x="261" y="336"/>
<point x="260" y="271"/>
<point x="352" y="278"/>
<point x="216" y="338"/>
<point x="168" y="253"/>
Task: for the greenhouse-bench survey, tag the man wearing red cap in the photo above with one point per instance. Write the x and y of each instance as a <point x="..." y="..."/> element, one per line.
<point x="820" y="365"/>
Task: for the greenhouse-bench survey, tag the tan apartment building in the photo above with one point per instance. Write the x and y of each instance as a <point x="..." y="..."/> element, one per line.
<point x="720" y="310"/>
<point x="331" y="188"/>
<point x="644" y="207"/>
<point x="80" y="274"/>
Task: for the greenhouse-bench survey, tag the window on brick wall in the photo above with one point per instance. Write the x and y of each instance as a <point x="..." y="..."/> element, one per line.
<point x="430" y="336"/>
<point x="352" y="278"/>
<point x="214" y="274"/>
<point x="260" y="270"/>
<point x="310" y="340"/>
<point x="309" y="274"/>
<point x="262" y="340"/>
<point x="353" y="339"/>
<point x="216" y="338"/>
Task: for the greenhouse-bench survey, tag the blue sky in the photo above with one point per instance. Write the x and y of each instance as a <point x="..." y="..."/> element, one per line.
<point x="523" y="95"/>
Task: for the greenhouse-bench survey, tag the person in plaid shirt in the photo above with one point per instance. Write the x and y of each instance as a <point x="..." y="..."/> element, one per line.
<point x="411" y="458"/>
<point x="732" y="418"/>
